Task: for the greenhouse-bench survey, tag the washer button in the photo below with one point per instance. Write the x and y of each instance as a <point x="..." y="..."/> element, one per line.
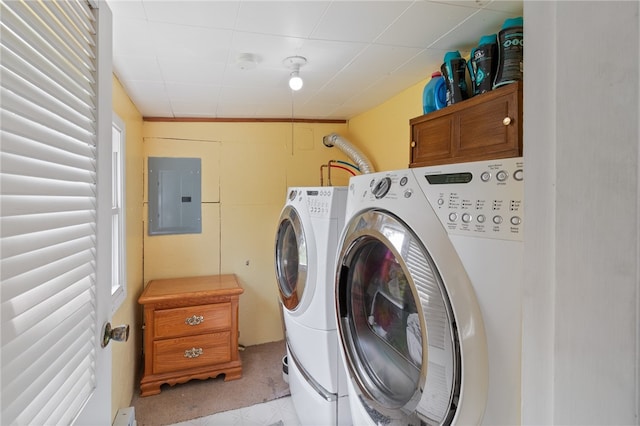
<point x="485" y="176"/>
<point x="408" y="193"/>
<point x="497" y="220"/>
<point x="440" y="201"/>
<point x="481" y="218"/>
<point x="404" y="180"/>
<point x="466" y="218"/>
<point x="453" y="217"/>
<point x="518" y="174"/>
<point x="502" y="176"/>
<point x="515" y="220"/>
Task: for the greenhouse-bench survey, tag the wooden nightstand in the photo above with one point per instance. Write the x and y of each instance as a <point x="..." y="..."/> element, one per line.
<point x="191" y="330"/>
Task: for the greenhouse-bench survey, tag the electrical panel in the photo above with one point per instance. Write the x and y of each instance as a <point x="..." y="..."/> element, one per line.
<point x="174" y="195"/>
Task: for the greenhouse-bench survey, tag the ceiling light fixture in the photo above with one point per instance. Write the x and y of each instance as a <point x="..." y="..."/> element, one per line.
<point x="294" y="63"/>
<point x="295" y="82"/>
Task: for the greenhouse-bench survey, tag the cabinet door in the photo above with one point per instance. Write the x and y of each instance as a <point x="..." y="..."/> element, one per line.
<point x="431" y="140"/>
<point x="489" y="129"/>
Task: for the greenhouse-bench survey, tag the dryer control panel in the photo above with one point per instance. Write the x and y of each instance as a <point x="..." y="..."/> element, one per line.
<point x="482" y="199"/>
<point x="321" y="202"/>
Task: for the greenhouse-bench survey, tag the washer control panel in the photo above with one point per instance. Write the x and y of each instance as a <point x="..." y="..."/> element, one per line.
<point x="323" y="202"/>
<point x="482" y="199"/>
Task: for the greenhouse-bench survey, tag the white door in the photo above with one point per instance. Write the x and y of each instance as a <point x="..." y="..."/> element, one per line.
<point x="55" y="211"/>
<point x="97" y="410"/>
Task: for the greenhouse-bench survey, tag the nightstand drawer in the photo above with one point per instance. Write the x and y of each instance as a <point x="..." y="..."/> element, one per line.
<point x="192" y="320"/>
<point x="189" y="352"/>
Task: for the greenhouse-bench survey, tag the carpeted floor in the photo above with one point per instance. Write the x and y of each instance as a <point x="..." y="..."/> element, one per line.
<point x="261" y="382"/>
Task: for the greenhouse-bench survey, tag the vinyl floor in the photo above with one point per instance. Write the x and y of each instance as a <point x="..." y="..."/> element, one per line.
<point x="278" y="412"/>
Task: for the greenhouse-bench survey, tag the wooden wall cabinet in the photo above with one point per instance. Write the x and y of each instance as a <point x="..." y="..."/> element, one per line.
<point x="191" y="330"/>
<point x="484" y="127"/>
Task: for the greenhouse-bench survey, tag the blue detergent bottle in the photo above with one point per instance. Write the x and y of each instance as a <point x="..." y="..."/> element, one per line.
<point x="434" y="95"/>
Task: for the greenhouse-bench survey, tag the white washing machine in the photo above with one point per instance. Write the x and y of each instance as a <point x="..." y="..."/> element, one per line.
<point x="428" y="294"/>
<point x="305" y="253"/>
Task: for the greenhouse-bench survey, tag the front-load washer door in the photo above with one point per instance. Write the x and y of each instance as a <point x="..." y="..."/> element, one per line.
<point x="396" y="324"/>
<point x="291" y="258"/>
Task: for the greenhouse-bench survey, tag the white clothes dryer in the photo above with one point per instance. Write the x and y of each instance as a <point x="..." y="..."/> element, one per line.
<point x="428" y="294"/>
<point x="305" y="252"/>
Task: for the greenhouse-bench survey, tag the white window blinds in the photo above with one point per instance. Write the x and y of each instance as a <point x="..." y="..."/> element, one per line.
<point x="48" y="209"/>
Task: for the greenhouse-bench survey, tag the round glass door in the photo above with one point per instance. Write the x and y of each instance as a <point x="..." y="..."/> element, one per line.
<point x="396" y="323"/>
<point x="291" y="258"/>
<point x="384" y="323"/>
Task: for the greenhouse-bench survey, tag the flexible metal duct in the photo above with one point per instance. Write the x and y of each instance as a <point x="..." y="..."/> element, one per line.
<point x="352" y="152"/>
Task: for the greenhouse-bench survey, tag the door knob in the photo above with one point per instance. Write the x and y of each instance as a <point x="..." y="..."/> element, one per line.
<point x="119" y="333"/>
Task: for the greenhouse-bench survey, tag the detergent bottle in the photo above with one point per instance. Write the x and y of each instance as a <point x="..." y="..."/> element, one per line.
<point x="434" y="95"/>
<point x="483" y="63"/>
<point x="510" y="52"/>
<point x="454" y="73"/>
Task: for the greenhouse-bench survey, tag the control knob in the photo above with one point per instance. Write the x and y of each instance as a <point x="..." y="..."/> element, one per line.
<point x="382" y="187"/>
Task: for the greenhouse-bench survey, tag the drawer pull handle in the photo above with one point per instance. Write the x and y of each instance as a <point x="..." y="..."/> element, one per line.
<point x="506" y="121"/>
<point x="194" y="320"/>
<point x="193" y="353"/>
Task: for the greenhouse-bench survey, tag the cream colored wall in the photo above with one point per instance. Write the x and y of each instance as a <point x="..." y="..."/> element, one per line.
<point x="126" y="356"/>
<point x="247" y="168"/>
<point x="383" y="132"/>
<point x="176" y="255"/>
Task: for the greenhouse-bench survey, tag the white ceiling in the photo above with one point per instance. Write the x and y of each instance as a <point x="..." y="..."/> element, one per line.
<point x="180" y="58"/>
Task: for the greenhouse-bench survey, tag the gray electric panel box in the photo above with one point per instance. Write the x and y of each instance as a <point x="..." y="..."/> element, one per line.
<point x="174" y="196"/>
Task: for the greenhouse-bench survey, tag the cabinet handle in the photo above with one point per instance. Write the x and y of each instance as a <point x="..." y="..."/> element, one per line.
<point x="506" y="121"/>
<point x="194" y="320"/>
<point x="193" y="353"/>
<point x="413" y="144"/>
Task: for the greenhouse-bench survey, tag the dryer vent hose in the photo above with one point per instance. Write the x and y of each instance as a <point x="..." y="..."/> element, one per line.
<point x="352" y="152"/>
